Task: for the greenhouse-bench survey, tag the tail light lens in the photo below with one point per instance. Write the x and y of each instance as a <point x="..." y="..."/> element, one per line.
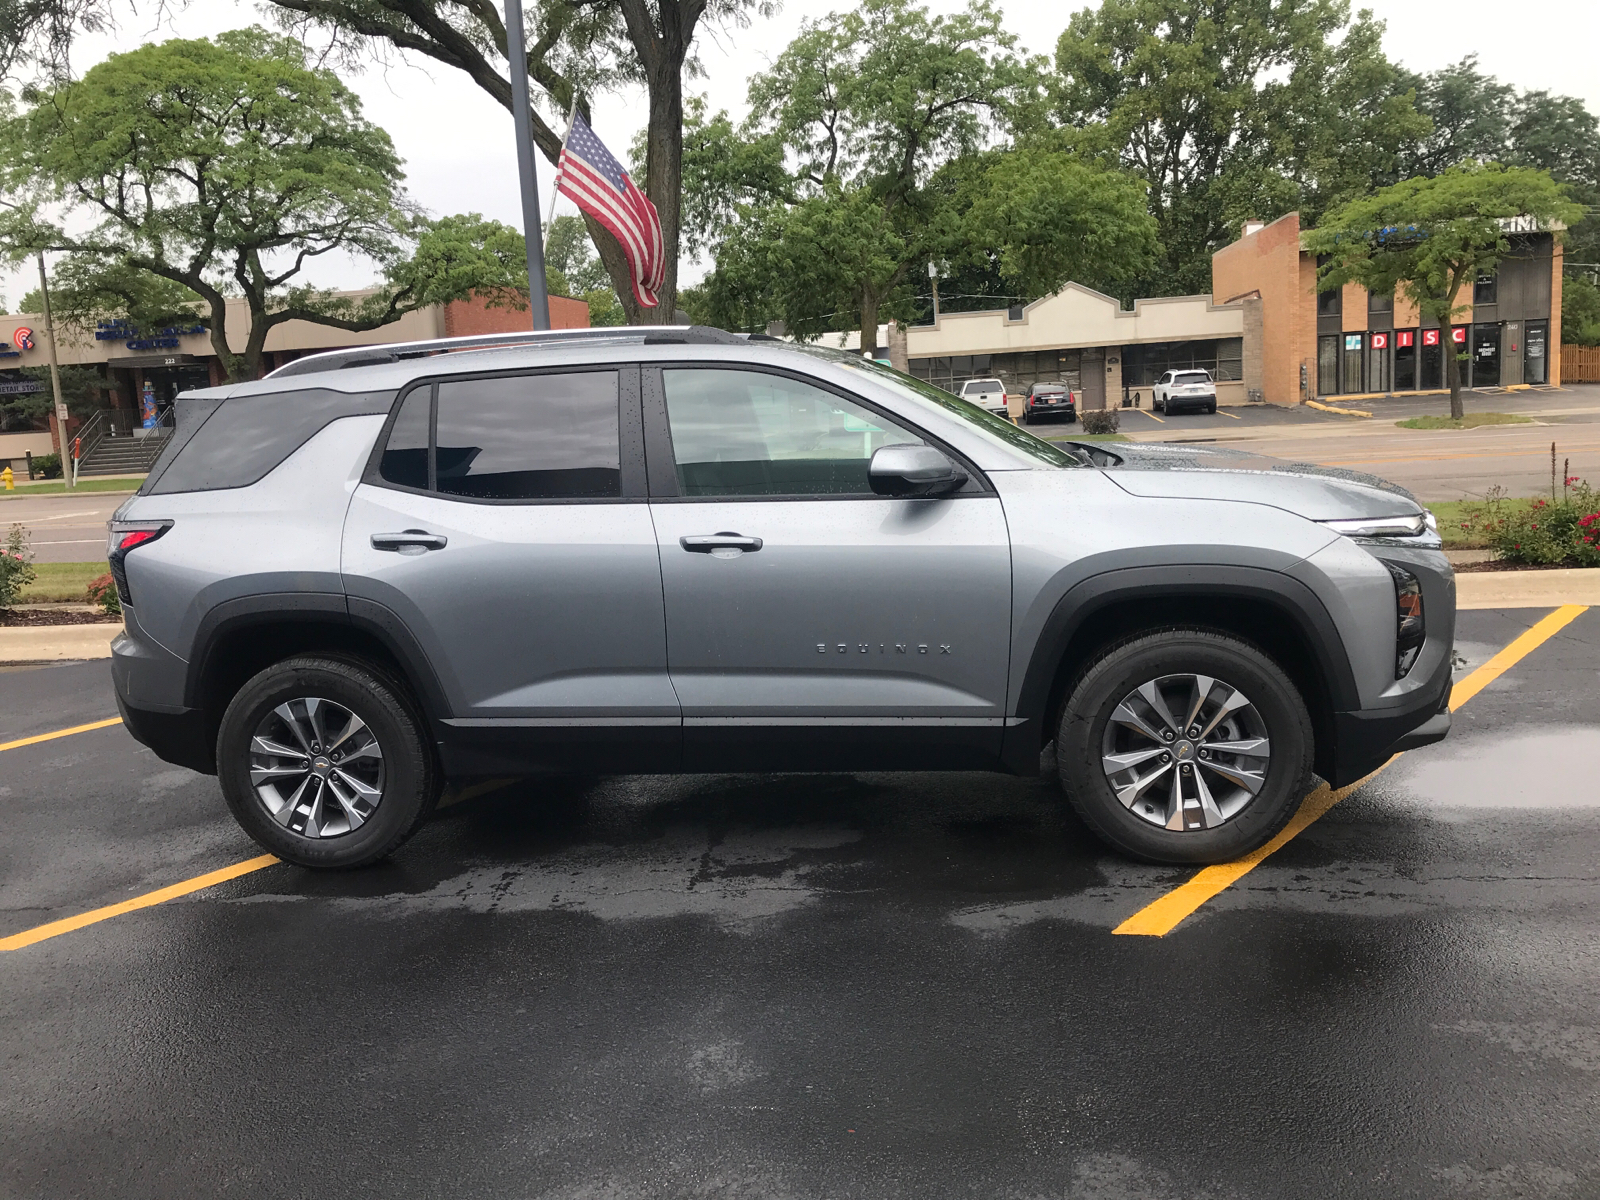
<point x="1411" y="628"/>
<point x="124" y="537"/>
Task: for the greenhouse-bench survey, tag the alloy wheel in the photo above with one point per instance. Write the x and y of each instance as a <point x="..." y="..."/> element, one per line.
<point x="1185" y="752"/>
<point x="316" y="767"/>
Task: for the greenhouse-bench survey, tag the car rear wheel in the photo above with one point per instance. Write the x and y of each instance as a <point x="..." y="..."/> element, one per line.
<point x="1212" y="408"/>
<point x="1184" y="746"/>
<point x="326" y="763"/>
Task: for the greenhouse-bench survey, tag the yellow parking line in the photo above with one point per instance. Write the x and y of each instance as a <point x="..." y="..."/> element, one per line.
<point x="60" y="733"/>
<point x="1162" y="916"/>
<point x="67" y="924"/>
<point x="1151" y="415"/>
<point x="1222" y="412"/>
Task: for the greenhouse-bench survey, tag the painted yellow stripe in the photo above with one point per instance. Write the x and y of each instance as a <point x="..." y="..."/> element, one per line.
<point x="1224" y="413"/>
<point x="1162" y="916"/>
<point x="56" y="928"/>
<point x="1151" y="415"/>
<point x="60" y="733"/>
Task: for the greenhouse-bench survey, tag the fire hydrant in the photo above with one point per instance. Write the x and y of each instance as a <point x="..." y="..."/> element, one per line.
<point x="8" y="478"/>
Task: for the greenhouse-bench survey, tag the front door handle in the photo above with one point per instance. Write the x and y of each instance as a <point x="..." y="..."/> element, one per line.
<point x="412" y="541"/>
<point x="708" y="543"/>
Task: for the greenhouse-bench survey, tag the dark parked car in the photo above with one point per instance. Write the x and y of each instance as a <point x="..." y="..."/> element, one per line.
<point x="1049" y="400"/>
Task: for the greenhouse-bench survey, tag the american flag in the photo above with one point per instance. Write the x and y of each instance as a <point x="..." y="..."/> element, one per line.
<point x="600" y="187"/>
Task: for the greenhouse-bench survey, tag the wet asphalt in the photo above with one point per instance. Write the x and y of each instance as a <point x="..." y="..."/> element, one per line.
<point x="816" y="986"/>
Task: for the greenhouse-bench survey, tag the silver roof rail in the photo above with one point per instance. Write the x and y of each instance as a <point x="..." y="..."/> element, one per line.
<point x="363" y="356"/>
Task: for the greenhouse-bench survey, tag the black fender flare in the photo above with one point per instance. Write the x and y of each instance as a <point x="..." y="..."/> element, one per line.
<point x="1092" y="596"/>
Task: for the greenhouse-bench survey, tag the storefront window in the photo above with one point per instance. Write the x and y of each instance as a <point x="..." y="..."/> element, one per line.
<point x="1143" y="364"/>
<point x="1380" y="305"/>
<point x="1405" y="360"/>
<point x="1485" y="288"/>
<point x="1535" y="353"/>
<point x="1350" y="367"/>
<point x="1379" y="357"/>
<point x="1485" y="356"/>
<point x="1431" y="360"/>
<point x="1328" y="365"/>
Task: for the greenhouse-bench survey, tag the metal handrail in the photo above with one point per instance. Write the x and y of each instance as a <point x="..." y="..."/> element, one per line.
<point x="89" y="436"/>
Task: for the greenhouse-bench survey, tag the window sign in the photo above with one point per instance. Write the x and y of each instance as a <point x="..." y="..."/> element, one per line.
<point x="1430" y="337"/>
<point x="1406" y="337"/>
<point x="1458" y="335"/>
<point x="1380" y="341"/>
<point x="1352" y="341"/>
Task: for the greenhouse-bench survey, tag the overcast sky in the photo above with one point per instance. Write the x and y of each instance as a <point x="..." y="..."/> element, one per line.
<point x="457" y="144"/>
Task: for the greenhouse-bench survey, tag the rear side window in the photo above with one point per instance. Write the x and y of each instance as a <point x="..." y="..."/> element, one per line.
<point x="247" y="436"/>
<point x="522" y="437"/>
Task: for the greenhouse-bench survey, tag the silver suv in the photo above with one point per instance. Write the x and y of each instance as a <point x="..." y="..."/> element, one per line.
<point x="678" y="549"/>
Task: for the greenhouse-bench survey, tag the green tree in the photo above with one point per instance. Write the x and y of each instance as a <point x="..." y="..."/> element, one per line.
<point x="569" y="256"/>
<point x="1434" y="236"/>
<point x="226" y="167"/>
<point x="574" y="50"/>
<point x="36" y="35"/>
<point x="1580" y="311"/>
<point x="861" y="109"/>
<point x="1230" y="109"/>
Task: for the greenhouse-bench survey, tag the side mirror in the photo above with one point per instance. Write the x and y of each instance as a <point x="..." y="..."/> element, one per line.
<point x="913" y="471"/>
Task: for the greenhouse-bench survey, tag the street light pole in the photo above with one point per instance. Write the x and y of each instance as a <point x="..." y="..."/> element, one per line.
<point x="522" y="119"/>
<point x="67" y="472"/>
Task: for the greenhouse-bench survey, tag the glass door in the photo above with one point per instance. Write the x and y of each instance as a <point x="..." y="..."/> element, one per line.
<point x="1350" y="368"/>
<point x="1405" y="360"/>
<point x="1431" y="361"/>
<point x="1485" y="356"/>
<point x="1328" y="366"/>
<point x="1535" y="355"/>
<point x="1379" y="358"/>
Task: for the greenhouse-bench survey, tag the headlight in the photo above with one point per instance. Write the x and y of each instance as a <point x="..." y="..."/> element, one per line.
<point x="1383" y="527"/>
<point x="1411" y="628"/>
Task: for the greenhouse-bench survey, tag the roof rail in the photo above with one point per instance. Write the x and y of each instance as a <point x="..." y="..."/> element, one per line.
<point x="649" y="335"/>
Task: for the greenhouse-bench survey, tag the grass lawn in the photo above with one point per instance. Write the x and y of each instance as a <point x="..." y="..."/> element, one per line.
<point x="84" y="485"/>
<point x="1449" y="514"/>
<point x="59" y="582"/>
<point x="1470" y="421"/>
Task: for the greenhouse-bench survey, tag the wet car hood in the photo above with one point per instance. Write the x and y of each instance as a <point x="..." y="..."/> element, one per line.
<point x="1191" y="472"/>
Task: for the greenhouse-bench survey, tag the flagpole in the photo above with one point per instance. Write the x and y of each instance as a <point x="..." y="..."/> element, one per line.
<point x="555" y="187"/>
<point x="522" y="119"/>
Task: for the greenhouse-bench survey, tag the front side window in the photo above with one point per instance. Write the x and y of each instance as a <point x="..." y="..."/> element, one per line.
<point x="748" y="433"/>
<point x="521" y="437"/>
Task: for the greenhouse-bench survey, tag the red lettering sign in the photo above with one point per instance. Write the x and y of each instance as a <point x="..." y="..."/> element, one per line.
<point x="1380" y="341"/>
<point x="1430" y="337"/>
<point x="1406" y="337"/>
<point x="1458" y="335"/>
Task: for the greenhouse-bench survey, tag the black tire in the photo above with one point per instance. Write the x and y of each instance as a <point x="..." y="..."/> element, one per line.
<point x="410" y="781"/>
<point x="1212" y="408"/>
<point x="1102" y="685"/>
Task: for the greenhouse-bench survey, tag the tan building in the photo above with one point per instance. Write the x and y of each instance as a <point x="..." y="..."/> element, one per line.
<point x="1088" y="341"/>
<point x="1348" y="343"/>
<point x="176" y="359"/>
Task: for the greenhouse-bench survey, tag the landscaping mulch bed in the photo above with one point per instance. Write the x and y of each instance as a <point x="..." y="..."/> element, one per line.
<point x="46" y="616"/>
<point x="1461" y="568"/>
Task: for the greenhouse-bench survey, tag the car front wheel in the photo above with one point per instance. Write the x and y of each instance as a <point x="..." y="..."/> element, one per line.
<point x="1184" y="746"/>
<point x="326" y="762"/>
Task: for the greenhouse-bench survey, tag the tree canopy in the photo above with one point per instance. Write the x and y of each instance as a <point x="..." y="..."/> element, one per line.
<point x="224" y="168"/>
<point x="1433" y="236"/>
<point x="575" y="50"/>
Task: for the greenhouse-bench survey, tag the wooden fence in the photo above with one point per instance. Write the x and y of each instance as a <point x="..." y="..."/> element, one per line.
<point x="1580" y="364"/>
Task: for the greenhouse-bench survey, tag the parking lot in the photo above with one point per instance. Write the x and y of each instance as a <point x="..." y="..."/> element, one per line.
<point x="808" y="986"/>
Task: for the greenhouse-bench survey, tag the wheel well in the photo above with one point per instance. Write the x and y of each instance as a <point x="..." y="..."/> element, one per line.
<point x="244" y="650"/>
<point x="1269" y="628"/>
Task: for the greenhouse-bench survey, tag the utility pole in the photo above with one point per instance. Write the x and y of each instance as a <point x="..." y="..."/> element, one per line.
<point x="67" y="472"/>
<point x="522" y="119"/>
<point x="933" y="274"/>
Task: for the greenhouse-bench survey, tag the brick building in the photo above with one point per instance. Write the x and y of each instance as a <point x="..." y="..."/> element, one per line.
<point x="1346" y="342"/>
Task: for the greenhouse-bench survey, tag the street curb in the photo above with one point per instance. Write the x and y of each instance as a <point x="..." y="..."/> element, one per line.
<point x="56" y="643"/>
<point x="1528" y="589"/>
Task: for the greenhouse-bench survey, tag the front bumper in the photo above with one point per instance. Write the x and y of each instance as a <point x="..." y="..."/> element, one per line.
<point x="1364" y="740"/>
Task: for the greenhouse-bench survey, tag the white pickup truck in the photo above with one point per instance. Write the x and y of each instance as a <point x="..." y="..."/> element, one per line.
<point x="986" y="393"/>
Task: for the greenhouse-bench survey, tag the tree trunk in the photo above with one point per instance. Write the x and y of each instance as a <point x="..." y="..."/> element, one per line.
<point x="869" y="323"/>
<point x="1452" y="371"/>
<point x="663" y="177"/>
<point x="231" y="362"/>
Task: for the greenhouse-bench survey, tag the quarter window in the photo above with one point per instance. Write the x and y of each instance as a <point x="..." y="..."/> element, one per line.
<point x="747" y="433"/>
<point x="405" y="456"/>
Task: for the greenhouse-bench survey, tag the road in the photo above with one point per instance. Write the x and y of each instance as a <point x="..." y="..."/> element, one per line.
<point x="876" y="986"/>
<point x="63" y="528"/>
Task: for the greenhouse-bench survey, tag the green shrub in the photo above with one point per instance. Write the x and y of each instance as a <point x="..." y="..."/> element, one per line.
<point x="1101" y="420"/>
<point x="16" y="566"/>
<point x="103" y="591"/>
<point x="47" y="466"/>
<point x="1565" y="532"/>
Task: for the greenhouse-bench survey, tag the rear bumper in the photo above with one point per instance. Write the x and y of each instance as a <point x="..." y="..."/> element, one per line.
<point x="176" y="737"/>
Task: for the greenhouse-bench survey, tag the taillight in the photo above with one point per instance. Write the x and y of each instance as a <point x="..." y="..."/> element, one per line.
<point x="123" y="537"/>
<point x="1411" y="629"/>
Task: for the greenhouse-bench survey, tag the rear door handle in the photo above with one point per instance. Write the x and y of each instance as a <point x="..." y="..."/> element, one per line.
<point x="705" y="543"/>
<point x="412" y="541"/>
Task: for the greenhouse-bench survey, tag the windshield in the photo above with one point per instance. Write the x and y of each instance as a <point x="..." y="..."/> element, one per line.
<point x="1191" y="377"/>
<point x="995" y="426"/>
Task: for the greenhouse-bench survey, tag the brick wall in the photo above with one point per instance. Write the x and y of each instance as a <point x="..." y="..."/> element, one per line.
<point x="468" y="318"/>
<point x="1267" y="262"/>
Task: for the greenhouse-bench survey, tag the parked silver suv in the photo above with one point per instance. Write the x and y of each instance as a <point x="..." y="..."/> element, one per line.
<point x="678" y="549"/>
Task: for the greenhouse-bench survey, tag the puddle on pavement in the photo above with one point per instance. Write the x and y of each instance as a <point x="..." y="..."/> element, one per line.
<point x="1553" y="768"/>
